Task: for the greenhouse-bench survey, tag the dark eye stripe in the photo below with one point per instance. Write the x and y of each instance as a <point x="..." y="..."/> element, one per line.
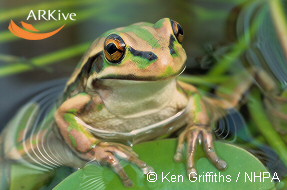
<point x="171" y="44"/>
<point x="144" y="54"/>
<point x="94" y="63"/>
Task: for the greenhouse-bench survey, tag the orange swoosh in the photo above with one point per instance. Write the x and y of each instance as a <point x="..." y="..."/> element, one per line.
<point x="15" y="29"/>
<point x="29" y="26"/>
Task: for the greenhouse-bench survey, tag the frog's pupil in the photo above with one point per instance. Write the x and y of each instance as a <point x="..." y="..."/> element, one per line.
<point x="111" y="48"/>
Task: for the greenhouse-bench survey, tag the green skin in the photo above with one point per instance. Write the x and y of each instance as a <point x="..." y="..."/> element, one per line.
<point x="139" y="91"/>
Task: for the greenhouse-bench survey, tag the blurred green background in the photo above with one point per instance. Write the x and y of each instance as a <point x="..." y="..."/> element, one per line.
<point x="221" y="38"/>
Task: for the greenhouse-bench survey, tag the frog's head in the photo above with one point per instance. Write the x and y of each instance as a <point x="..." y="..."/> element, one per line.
<point x="139" y="52"/>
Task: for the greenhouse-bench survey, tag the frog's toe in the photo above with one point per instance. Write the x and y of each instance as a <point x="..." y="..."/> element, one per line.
<point x="210" y="150"/>
<point x="114" y="163"/>
<point x="192" y="136"/>
<point x="141" y="164"/>
<point x="180" y="146"/>
<point x="192" y="140"/>
<point x="117" y="167"/>
<point x="221" y="164"/>
<point x="147" y="169"/>
<point x="191" y="172"/>
<point x="112" y="151"/>
<point x="132" y="157"/>
<point x="178" y="156"/>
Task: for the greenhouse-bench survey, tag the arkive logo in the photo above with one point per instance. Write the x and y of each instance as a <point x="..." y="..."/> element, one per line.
<point x="31" y="33"/>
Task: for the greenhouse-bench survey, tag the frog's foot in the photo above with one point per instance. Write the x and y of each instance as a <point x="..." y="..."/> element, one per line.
<point x="109" y="153"/>
<point x="192" y="135"/>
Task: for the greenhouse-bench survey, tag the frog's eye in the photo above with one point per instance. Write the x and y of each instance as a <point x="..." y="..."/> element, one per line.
<point x="177" y="30"/>
<point x="114" y="48"/>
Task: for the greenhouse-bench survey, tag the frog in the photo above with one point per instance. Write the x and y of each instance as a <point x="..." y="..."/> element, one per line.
<point x="125" y="91"/>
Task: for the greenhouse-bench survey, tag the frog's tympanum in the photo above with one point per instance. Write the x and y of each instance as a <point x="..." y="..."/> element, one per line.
<point x="124" y="91"/>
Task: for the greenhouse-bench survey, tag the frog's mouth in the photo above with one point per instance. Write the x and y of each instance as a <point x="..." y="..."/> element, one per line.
<point x="144" y="78"/>
<point x="130" y="82"/>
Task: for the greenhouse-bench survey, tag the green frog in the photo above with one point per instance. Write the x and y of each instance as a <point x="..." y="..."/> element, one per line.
<point x="125" y="90"/>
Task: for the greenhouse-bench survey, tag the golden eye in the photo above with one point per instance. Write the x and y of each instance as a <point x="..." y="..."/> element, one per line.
<point x="114" y="48"/>
<point x="177" y="30"/>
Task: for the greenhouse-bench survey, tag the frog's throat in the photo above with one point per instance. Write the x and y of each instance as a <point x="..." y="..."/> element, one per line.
<point x="164" y="127"/>
<point x="136" y="96"/>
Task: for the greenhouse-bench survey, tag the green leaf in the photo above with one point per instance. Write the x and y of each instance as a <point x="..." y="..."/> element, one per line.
<point x="159" y="154"/>
<point x="25" y="178"/>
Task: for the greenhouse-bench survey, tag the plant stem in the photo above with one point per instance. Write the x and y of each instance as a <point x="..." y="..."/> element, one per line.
<point x="240" y="47"/>
<point x="50" y="58"/>
<point x="280" y="23"/>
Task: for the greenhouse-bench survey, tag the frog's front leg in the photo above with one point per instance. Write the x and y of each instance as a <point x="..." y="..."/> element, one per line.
<point x="86" y="145"/>
<point x="198" y="130"/>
